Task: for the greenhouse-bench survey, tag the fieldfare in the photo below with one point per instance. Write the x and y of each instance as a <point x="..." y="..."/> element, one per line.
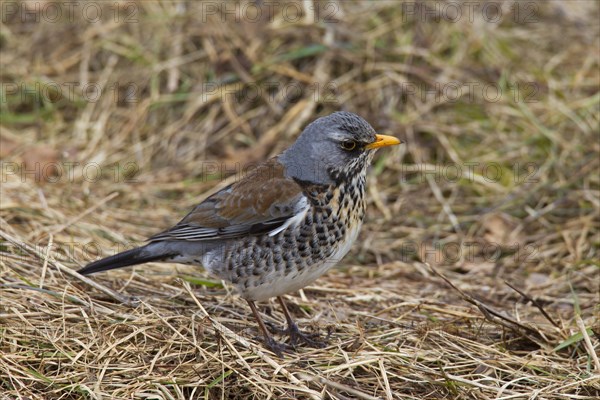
<point x="283" y="225"/>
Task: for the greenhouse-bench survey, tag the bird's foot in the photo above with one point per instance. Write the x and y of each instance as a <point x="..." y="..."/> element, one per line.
<point x="310" y="339"/>
<point x="296" y="336"/>
<point x="277" y="347"/>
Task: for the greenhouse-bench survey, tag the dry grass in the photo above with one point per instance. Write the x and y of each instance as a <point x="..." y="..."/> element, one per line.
<point x="164" y="138"/>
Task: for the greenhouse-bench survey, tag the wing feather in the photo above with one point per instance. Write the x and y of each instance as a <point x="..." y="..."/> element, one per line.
<point x="265" y="201"/>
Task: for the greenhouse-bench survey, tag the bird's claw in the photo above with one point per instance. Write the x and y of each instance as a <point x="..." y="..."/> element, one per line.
<point x="296" y="336"/>
<point x="277" y="347"/>
<point x="311" y="340"/>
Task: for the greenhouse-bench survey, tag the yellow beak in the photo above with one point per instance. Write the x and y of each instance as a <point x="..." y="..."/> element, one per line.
<point x="382" y="141"/>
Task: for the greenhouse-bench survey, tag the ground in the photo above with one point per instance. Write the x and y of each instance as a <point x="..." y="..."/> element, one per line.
<point x="475" y="276"/>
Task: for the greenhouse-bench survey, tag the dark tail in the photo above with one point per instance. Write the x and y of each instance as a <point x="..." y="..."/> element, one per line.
<point x="135" y="256"/>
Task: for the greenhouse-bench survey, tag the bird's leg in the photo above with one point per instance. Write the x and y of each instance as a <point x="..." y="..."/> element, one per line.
<point x="293" y="331"/>
<point x="273" y="345"/>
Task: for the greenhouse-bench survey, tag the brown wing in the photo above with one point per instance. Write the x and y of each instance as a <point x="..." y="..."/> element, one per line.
<point x="263" y="201"/>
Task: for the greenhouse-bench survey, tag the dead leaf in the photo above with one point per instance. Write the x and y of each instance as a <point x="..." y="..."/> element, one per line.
<point x="7" y="147"/>
<point x="502" y="229"/>
<point x="41" y="163"/>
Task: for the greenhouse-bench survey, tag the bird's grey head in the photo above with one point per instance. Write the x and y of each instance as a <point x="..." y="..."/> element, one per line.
<point x="331" y="149"/>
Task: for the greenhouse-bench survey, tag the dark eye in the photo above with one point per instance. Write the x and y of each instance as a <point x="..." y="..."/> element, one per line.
<point x="348" y="145"/>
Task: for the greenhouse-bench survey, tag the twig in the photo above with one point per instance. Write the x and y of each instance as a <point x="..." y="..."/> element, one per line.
<point x="535" y="302"/>
<point x="588" y="343"/>
<point x="489" y="313"/>
<point x="46" y="257"/>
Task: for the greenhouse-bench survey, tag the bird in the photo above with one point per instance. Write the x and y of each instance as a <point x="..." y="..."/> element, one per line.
<point x="283" y="225"/>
